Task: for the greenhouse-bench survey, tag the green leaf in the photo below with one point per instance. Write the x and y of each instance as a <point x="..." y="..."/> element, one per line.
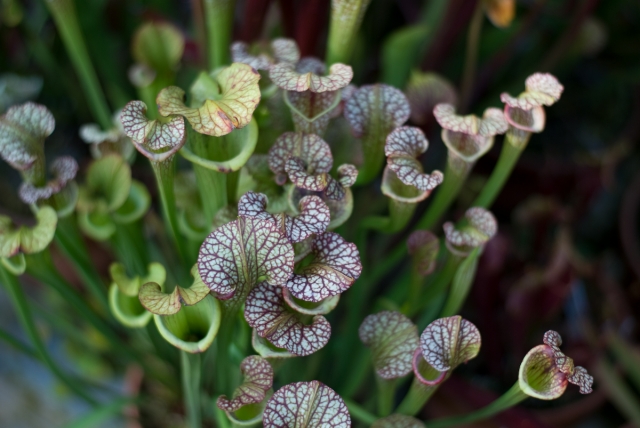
<point x="131" y="286"/>
<point x="108" y="179"/>
<point x="159" y="303"/>
<point x="222" y="101"/>
<point x="158" y="45"/>
<point x="193" y="328"/>
<point x="24" y="239"/>
<point x="400" y="52"/>
<point x="135" y="206"/>
<point x="23" y="129"/>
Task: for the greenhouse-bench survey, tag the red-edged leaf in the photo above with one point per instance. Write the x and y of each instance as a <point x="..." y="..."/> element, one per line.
<point x="576" y="375"/>
<point x="313" y="218"/>
<point x="64" y="169"/>
<point x="266" y="311"/>
<point x="234" y="256"/>
<point x="312" y="110"/>
<point x="306" y="404"/>
<point x="376" y="108"/>
<point x="258" y="379"/>
<point x="322" y="307"/>
<point x="448" y="342"/>
<point x="481" y="228"/>
<point x="541" y="89"/>
<point x="239" y="53"/>
<point x="23" y="129"/>
<point x="154" y="139"/>
<point x="314" y="154"/>
<point x="393" y="339"/>
<point x="286" y="76"/>
<point x="402" y="148"/>
<point x="335" y="266"/>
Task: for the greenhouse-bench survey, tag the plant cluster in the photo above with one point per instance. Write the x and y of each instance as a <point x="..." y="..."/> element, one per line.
<point x="257" y="224"/>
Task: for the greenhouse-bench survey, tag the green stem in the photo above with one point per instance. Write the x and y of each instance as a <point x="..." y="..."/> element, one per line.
<point x="70" y="241"/>
<point x="628" y="356"/>
<point x="509" y="399"/>
<point x="211" y="184"/>
<point x="17" y="344"/>
<point x="439" y="283"/>
<point x="511" y="150"/>
<point x="471" y="56"/>
<point x="461" y="284"/>
<point x="190" y="369"/>
<point x="26" y="319"/>
<point x="64" y="14"/>
<point x="386" y="394"/>
<point x="219" y="23"/>
<point x="416" y="398"/>
<point x="445" y="194"/>
<point x="356" y="376"/>
<point x="346" y="17"/>
<point x="359" y="413"/>
<point x="164" y="172"/>
<point x="129" y="245"/>
<point x="399" y="215"/>
<point x="223" y="349"/>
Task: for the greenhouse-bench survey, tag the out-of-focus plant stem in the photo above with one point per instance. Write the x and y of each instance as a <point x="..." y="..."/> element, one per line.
<point x="386" y="393"/>
<point x="25" y="316"/>
<point x="346" y="17"/>
<point x="512" y="147"/>
<point x="618" y="392"/>
<point x="416" y="398"/>
<point x="70" y="241"/>
<point x="399" y="215"/>
<point x="445" y="194"/>
<point x="471" y="56"/>
<point x="212" y="185"/>
<point x="509" y="399"/>
<point x="219" y="23"/>
<point x="164" y="172"/>
<point x="64" y="14"/>
<point x="461" y="284"/>
<point x="359" y="413"/>
<point x="627" y="356"/>
<point x="129" y="246"/>
<point x="190" y="368"/>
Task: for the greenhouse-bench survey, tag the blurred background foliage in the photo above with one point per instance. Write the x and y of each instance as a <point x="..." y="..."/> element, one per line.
<point x="567" y="255"/>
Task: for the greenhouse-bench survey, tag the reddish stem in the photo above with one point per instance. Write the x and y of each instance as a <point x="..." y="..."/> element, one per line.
<point x="253" y="20"/>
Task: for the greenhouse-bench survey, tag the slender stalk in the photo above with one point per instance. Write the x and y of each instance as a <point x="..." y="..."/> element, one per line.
<point x="386" y="394"/>
<point x="221" y="417"/>
<point x="70" y="241"/>
<point x="219" y="23"/>
<point x="399" y="215"/>
<point x="416" y="398"/>
<point x="461" y="284"/>
<point x="471" y="56"/>
<point x="26" y="319"/>
<point x="17" y="344"/>
<point x="628" y="356"/>
<point x="509" y="399"/>
<point x="445" y="195"/>
<point x="511" y="150"/>
<point x="438" y="285"/>
<point x="64" y="14"/>
<point x="346" y="17"/>
<point x="211" y="184"/>
<point x="619" y="393"/>
<point x="356" y="376"/>
<point x="129" y="245"/>
<point x="359" y="413"/>
<point x="190" y="369"/>
<point x="164" y="172"/>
